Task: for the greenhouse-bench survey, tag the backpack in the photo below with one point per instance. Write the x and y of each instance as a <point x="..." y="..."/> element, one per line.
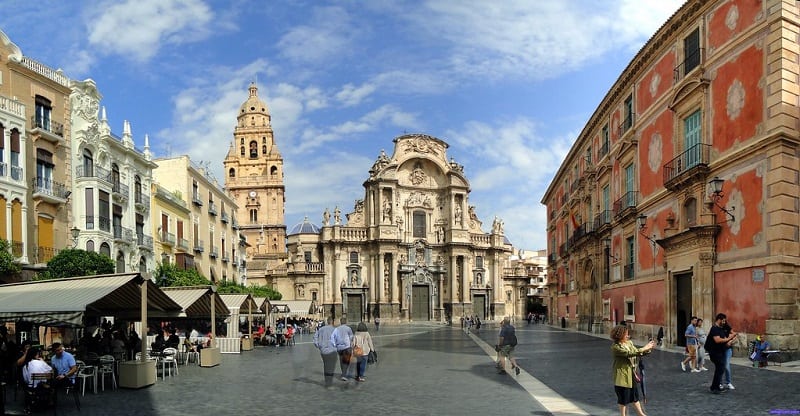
<point x="512" y="339"/>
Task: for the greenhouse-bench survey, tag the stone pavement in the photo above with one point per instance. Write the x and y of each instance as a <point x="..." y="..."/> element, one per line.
<point x="431" y="369"/>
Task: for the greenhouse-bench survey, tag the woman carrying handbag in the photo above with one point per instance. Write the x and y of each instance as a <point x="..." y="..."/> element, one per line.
<point x="362" y="346"/>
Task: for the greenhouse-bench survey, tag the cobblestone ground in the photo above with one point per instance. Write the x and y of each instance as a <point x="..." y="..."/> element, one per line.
<point x="430" y="369"/>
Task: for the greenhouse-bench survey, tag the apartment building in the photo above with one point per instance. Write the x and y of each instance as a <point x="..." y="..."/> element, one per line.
<point x="211" y="229"/>
<point x="34" y="156"/>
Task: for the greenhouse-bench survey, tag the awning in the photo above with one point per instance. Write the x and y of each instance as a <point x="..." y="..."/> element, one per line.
<point x="263" y="303"/>
<point x="65" y="302"/>
<point x="195" y="301"/>
<point x="293" y="307"/>
<point x="240" y="301"/>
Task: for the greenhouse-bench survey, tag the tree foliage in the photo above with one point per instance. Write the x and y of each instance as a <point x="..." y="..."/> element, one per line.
<point x="255" y="290"/>
<point x="169" y="275"/>
<point x="7" y="264"/>
<point x="72" y="263"/>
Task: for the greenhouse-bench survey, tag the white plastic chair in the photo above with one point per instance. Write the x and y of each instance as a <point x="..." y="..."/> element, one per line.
<point x="106" y="368"/>
<point x="86" y="373"/>
<point x="169" y="359"/>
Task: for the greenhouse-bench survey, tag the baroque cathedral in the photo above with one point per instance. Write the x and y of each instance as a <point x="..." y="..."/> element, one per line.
<point x="412" y="248"/>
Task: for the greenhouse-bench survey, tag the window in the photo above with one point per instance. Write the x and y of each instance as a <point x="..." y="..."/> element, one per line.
<point x="137" y="189"/>
<point x="88" y="163"/>
<point x="419" y="224"/>
<point x="241" y="151"/>
<point x="44" y="171"/>
<point x="253" y="150"/>
<point x="116" y="220"/>
<point x="508" y="297"/>
<point x="691" y="51"/>
<point x="630" y="194"/>
<point x="604" y="144"/>
<point x="307" y="256"/>
<point x="43" y="111"/>
<point x="588" y="157"/>
<point x="630" y="314"/>
<point x="353" y="257"/>
<point x="627" y="113"/>
<point x="692" y="130"/>
<point x="232" y="173"/>
<point x="16" y="168"/>
<point x="105" y="250"/>
<point x="253" y="216"/>
<point x="120" y="262"/>
<point x="479" y="262"/>
<point x="115" y="178"/>
<point x="140" y="228"/>
<point x="607" y="309"/>
<point x="630" y="257"/>
<point x="104" y="211"/>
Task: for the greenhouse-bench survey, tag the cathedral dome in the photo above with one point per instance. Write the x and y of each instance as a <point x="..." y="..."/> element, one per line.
<point x="253" y="104"/>
<point x="305" y="227"/>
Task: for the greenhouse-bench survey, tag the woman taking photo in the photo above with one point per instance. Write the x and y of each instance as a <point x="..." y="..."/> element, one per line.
<point x="625" y="361"/>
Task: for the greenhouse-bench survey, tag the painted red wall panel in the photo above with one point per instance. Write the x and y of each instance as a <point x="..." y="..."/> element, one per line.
<point x="655" y="82"/>
<point x="737" y="99"/>
<point x="742" y="299"/>
<point x="743" y="193"/>
<point x="657" y="150"/>
<point x="731" y="19"/>
<point x="648" y="306"/>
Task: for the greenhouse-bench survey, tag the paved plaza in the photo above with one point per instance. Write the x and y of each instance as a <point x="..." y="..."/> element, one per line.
<point x="432" y="369"/>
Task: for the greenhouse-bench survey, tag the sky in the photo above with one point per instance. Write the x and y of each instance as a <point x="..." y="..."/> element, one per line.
<point x="507" y="84"/>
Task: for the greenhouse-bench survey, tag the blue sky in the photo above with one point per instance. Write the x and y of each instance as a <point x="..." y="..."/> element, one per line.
<point x="507" y="84"/>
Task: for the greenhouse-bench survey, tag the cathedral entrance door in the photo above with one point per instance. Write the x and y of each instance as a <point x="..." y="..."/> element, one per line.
<point x="479" y="306"/>
<point x="355" y="310"/>
<point x="420" y="303"/>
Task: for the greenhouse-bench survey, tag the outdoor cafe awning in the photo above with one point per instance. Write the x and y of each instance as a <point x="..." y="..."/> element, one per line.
<point x="195" y="301"/>
<point x="241" y="302"/>
<point x="263" y="304"/>
<point x="65" y="302"/>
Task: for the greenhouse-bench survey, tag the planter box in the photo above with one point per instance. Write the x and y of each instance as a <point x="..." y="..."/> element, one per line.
<point x="247" y="344"/>
<point x="137" y="374"/>
<point x="210" y="357"/>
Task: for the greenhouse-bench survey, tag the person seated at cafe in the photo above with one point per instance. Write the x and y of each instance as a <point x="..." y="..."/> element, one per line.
<point x="33" y="363"/>
<point x="134" y="344"/>
<point x="160" y="343"/>
<point x="118" y="345"/>
<point x="289" y="334"/>
<point x="64" y="364"/>
<point x="174" y="340"/>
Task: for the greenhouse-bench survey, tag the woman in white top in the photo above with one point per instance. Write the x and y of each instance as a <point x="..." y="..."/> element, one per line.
<point x="364" y="340"/>
<point x="34" y="364"/>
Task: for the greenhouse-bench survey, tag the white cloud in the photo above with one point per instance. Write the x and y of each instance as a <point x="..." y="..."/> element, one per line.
<point x="351" y="95"/>
<point x="139" y="28"/>
<point x="327" y="36"/>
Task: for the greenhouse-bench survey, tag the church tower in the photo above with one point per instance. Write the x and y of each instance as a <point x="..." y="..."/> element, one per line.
<point x="254" y="179"/>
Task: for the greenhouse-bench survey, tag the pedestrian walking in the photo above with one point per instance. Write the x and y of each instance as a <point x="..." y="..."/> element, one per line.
<point x="626" y="379"/>
<point x="507" y="341"/>
<point x="377" y="324"/>
<point x="701" y="342"/>
<point x="726" y="377"/>
<point x="716" y="344"/>
<point x="691" y="347"/>
<point x="323" y="340"/>
<point x="362" y="346"/>
<point x="342" y="338"/>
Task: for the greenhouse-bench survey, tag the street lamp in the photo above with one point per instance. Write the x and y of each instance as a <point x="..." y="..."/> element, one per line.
<point x="74" y="232"/>
<point x="717" y="194"/>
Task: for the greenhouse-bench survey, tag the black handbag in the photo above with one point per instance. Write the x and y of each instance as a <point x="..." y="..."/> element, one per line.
<point x="373" y="357"/>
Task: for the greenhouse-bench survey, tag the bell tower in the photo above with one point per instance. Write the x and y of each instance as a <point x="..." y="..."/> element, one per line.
<point x="254" y="179"/>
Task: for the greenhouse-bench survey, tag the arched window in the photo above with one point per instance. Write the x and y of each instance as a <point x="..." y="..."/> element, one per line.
<point x="273" y="170"/>
<point x="120" y="262"/>
<point x="137" y="188"/>
<point x="353" y="257"/>
<point x="142" y="265"/>
<point x="88" y="163"/>
<point x="253" y="150"/>
<point x="232" y="173"/>
<point x="105" y="250"/>
<point x="242" y="151"/>
<point x="89" y="245"/>
<point x="263" y="150"/>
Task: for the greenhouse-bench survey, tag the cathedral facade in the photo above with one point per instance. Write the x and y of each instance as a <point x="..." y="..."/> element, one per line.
<point x="412" y="249"/>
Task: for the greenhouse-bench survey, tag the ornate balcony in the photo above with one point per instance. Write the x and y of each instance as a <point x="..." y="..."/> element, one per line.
<point x="689" y="167"/>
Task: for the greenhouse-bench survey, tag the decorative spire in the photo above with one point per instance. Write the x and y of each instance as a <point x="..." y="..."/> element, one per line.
<point x="147" y="154"/>
<point x="253" y="89"/>
<point x="127" y="137"/>
<point x="103" y="114"/>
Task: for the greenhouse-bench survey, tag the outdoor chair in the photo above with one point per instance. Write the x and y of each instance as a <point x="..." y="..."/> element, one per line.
<point x="169" y="360"/>
<point x="106" y="369"/>
<point x="86" y="373"/>
<point x="42" y="396"/>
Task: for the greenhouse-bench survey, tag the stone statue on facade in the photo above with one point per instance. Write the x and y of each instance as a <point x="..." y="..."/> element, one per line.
<point x="326" y="217"/>
<point x="337" y="216"/>
<point x="457" y="212"/>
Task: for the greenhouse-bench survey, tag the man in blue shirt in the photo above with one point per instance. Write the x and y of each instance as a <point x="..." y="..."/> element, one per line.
<point x="691" y="347"/>
<point x="64" y="365"/>
<point x="342" y="338"/>
<point x="323" y="340"/>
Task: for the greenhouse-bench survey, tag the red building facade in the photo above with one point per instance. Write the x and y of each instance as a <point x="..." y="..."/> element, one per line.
<point x="638" y="230"/>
